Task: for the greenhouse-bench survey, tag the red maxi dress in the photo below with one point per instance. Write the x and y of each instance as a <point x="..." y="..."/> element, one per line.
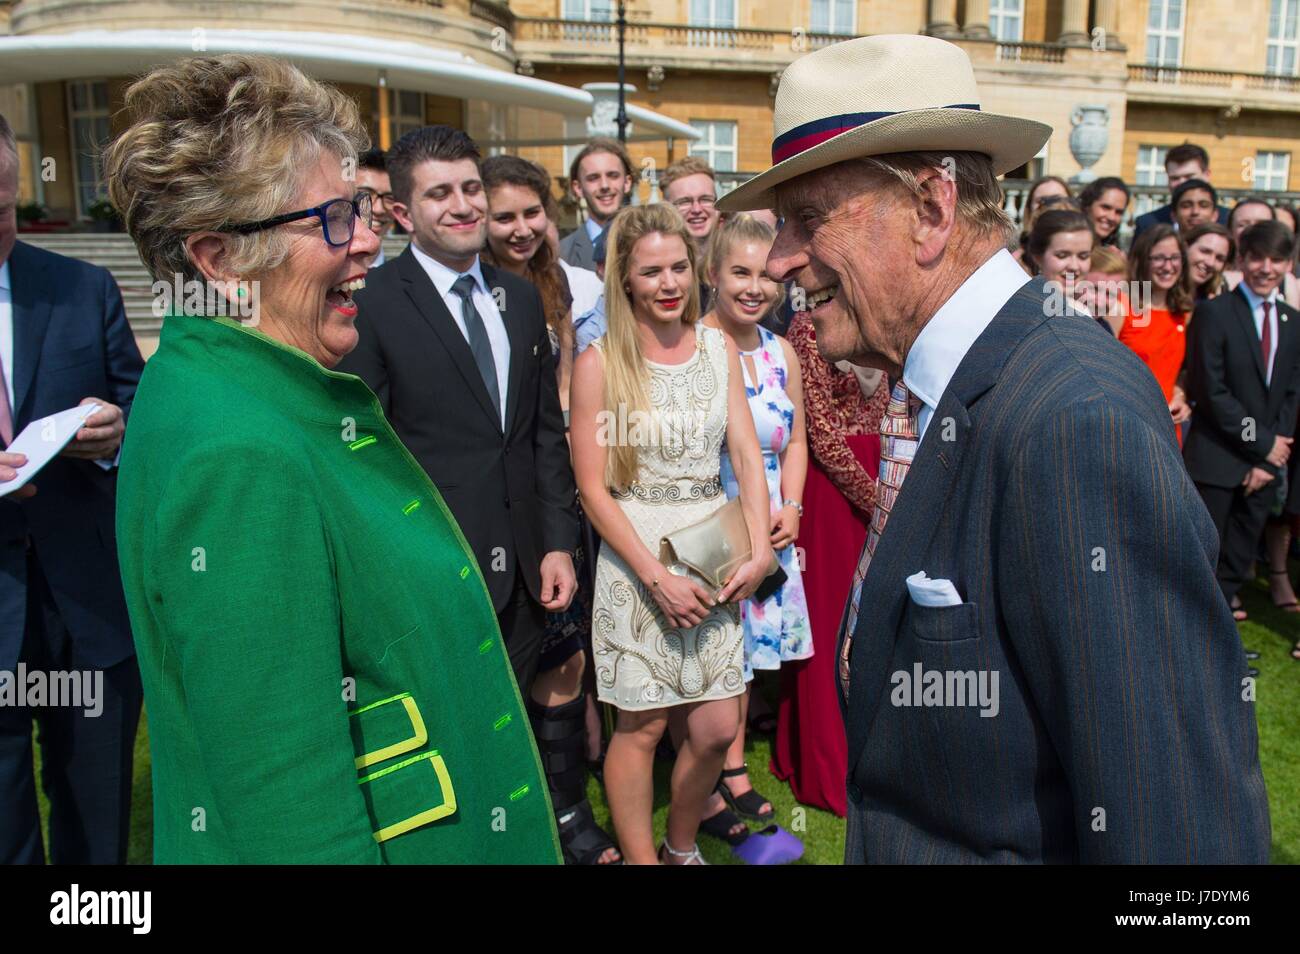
<point x="844" y="437"/>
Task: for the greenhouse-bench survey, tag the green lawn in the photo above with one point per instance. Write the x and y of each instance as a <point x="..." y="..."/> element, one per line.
<point x="1278" y="706"/>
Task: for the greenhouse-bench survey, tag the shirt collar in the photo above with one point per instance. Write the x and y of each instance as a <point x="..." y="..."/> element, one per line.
<point x="593" y="230"/>
<point x="4" y="276"/>
<point x="443" y="277"/>
<point x="945" y="339"/>
<point x="1254" y="300"/>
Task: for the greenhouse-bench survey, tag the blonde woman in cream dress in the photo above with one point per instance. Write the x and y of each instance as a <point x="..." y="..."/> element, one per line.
<point x="651" y="404"/>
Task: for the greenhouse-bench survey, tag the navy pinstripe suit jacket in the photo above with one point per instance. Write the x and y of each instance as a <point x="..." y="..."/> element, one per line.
<point x="1049" y="489"/>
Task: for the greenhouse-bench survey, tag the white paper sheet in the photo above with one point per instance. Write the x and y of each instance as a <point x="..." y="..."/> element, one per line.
<point x="42" y="440"/>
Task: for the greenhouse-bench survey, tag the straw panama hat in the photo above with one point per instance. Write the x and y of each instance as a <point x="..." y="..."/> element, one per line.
<point x="876" y="95"/>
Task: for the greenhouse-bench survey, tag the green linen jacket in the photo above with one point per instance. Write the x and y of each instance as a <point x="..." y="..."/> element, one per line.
<point x="323" y="672"/>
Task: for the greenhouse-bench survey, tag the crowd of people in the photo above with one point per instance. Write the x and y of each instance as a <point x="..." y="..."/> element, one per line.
<point x="387" y="550"/>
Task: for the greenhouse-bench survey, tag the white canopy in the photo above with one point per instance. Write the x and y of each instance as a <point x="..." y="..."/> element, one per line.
<point x="335" y="57"/>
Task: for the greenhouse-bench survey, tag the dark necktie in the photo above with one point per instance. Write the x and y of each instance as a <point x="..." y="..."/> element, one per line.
<point x="1266" y="340"/>
<point x="479" y="344"/>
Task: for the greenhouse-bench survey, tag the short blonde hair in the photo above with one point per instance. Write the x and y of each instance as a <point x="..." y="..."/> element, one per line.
<point x="1108" y="261"/>
<point x="222" y="140"/>
<point x="979" y="194"/>
<point x="687" y="166"/>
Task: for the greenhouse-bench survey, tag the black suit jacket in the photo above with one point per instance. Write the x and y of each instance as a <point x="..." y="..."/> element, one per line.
<point x="1049" y="490"/>
<point x="1165" y="215"/>
<point x="512" y="493"/>
<point x="71" y="341"/>
<point x="577" y="250"/>
<point x="1235" y="414"/>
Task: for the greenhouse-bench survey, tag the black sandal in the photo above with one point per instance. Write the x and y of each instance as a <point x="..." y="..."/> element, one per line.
<point x="582" y="840"/>
<point x="719" y="826"/>
<point x="748" y="805"/>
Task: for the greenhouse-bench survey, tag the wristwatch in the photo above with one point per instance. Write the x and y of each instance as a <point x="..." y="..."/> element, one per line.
<point x="798" y="507"/>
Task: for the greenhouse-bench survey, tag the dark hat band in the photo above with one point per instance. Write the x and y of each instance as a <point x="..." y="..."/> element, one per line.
<point x="809" y="134"/>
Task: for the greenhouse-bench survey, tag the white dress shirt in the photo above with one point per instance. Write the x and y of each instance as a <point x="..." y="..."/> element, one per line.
<point x="1257" y="312"/>
<point x="443" y="278"/>
<point x="585" y="286"/>
<point x="945" y="339"/>
<point x="7" y="332"/>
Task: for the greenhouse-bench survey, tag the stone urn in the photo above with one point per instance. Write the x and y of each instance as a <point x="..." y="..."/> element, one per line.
<point x="604" y="110"/>
<point x="1088" y="139"/>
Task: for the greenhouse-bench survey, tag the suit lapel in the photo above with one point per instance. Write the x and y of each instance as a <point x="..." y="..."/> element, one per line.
<point x="1246" y="319"/>
<point x="31" y="317"/>
<point x="898" y="555"/>
<point x="424" y="296"/>
<point x="912" y="524"/>
<point x="1286" y="344"/>
<point x="521" y="349"/>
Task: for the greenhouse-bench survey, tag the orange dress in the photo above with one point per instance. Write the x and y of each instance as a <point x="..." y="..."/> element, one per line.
<point x="1160" y="340"/>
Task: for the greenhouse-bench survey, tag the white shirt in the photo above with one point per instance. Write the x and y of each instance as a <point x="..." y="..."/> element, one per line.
<point x="7" y="332"/>
<point x="946" y="337"/>
<point x="443" y="278"/>
<point x="1257" y="312"/>
<point x="585" y="286"/>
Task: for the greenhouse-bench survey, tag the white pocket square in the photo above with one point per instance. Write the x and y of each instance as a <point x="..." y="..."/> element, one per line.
<point x="927" y="592"/>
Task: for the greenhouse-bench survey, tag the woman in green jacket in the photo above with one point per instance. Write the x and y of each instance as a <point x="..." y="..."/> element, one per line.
<point x="323" y="672"/>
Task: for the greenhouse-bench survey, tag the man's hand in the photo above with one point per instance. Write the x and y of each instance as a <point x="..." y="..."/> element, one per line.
<point x="1179" y="409"/>
<point x="1257" y="478"/>
<point x="101" y="434"/>
<point x="1280" y="451"/>
<point x="7" y="473"/>
<point x="559" y="582"/>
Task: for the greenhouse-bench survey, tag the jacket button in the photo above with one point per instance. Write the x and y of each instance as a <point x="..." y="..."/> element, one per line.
<point x="855" y="793"/>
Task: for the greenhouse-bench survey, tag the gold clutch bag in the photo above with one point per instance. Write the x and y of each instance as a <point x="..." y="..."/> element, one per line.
<point x="713" y="549"/>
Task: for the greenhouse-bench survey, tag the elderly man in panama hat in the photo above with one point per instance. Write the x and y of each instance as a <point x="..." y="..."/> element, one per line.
<point x="1036" y="664"/>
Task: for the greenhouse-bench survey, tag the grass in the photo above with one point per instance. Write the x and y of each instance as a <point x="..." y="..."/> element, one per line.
<point x="1268" y="630"/>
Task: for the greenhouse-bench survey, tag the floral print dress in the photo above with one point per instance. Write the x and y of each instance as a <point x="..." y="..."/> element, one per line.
<point x="776" y="630"/>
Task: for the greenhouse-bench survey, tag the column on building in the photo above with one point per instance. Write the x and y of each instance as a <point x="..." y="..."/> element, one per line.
<point x="1074" y="23"/>
<point x="977" y="19"/>
<point x="942" y="18"/>
<point x="1107" y="14"/>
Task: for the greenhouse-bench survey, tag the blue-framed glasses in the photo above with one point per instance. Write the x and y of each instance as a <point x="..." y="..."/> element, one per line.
<point x="338" y="219"/>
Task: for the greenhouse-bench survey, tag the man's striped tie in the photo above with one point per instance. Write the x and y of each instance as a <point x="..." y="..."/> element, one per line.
<point x="898" y="442"/>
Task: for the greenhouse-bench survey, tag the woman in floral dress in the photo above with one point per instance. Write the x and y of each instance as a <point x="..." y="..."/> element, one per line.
<point x="777" y="629"/>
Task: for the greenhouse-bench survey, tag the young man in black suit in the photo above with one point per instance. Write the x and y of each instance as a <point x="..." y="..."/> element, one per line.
<point x="459" y="356"/>
<point x="64" y="340"/>
<point x="1243" y="363"/>
<point x="1182" y="164"/>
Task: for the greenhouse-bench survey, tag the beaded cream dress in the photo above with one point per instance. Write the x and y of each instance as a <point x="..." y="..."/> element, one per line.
<point x="641" y="661"/>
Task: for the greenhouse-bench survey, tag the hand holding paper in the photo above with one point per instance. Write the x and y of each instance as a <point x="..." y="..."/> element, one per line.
<point x="101" y="433"/>
<point x="9" y="464"/>
<point x="41" y="440"/>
